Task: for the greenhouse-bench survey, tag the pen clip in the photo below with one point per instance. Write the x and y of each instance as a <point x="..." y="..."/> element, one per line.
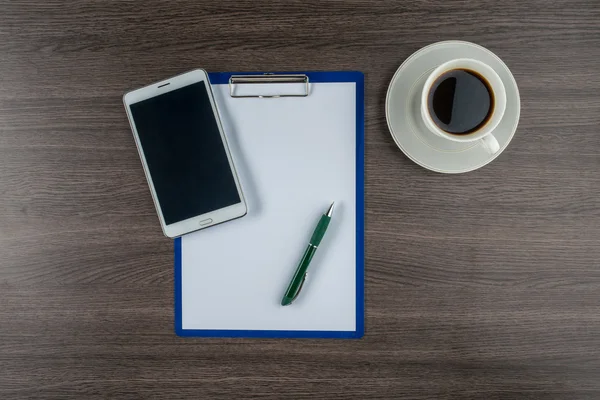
<point x="300" y="288"/>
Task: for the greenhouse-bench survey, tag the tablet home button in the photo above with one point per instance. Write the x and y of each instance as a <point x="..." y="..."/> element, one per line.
<point x="206" y="222"/>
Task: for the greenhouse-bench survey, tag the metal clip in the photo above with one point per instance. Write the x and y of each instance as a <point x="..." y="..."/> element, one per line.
<point x="268" y="78"/>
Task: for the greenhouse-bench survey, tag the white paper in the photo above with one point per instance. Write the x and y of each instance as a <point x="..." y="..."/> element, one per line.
<point x="294" y="157"/>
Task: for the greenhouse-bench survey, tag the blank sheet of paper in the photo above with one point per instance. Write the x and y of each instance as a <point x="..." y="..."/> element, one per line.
<point x="294" y="156"/>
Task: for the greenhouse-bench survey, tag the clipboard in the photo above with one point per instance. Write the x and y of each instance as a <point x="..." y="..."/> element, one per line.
<point x="297" y="139"/>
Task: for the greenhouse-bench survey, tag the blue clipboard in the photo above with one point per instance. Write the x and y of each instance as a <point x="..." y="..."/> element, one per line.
<point x="314" y="77"/>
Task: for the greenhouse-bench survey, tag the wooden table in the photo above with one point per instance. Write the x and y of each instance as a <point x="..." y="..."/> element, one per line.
<point x="482" y="285"/>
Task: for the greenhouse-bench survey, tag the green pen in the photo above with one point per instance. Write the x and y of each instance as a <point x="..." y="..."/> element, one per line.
<point x="295" y="286"/>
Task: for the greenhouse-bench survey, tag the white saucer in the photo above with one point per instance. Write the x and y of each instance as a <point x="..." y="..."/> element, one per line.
<point x="402" y="110"/>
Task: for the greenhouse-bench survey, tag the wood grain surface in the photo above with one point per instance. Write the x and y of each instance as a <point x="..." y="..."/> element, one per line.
<point x="482" y="285"/>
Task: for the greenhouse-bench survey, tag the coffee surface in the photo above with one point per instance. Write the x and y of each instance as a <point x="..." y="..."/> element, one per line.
<point x="460" y="101"/>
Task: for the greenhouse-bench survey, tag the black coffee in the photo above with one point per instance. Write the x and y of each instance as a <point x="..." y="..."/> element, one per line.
<point x="460" y="101"/>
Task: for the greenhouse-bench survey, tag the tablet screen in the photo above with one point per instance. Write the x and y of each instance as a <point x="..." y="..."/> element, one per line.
<point x="185" y="154"/>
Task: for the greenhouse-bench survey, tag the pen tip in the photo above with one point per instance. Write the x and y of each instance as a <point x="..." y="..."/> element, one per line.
<point x="330" y="210"/>
<point x="286" y="301"/>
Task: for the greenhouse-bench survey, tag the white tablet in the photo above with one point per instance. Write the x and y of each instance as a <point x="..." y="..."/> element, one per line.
<point x="184" y="153"/>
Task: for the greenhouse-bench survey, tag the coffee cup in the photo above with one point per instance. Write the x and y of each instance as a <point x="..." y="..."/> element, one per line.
<point x="464" y="100"/>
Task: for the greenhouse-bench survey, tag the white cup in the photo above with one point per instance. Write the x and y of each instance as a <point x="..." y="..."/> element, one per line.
<point x="484" y="133"/>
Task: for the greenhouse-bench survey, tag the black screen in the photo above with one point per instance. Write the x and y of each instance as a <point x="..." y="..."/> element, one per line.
<point x="184" y="152"/>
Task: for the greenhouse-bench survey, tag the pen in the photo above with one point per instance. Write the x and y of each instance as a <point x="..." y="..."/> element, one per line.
<point x="300" y="275"/>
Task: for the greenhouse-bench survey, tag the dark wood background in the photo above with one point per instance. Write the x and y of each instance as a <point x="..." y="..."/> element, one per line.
<point x="482" y="285"/>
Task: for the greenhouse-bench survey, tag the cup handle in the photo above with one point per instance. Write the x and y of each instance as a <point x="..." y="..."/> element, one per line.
<point x="490" y="144"/>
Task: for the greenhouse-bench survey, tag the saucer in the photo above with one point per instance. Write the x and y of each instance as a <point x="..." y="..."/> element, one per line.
<point x="403" y="110"/>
